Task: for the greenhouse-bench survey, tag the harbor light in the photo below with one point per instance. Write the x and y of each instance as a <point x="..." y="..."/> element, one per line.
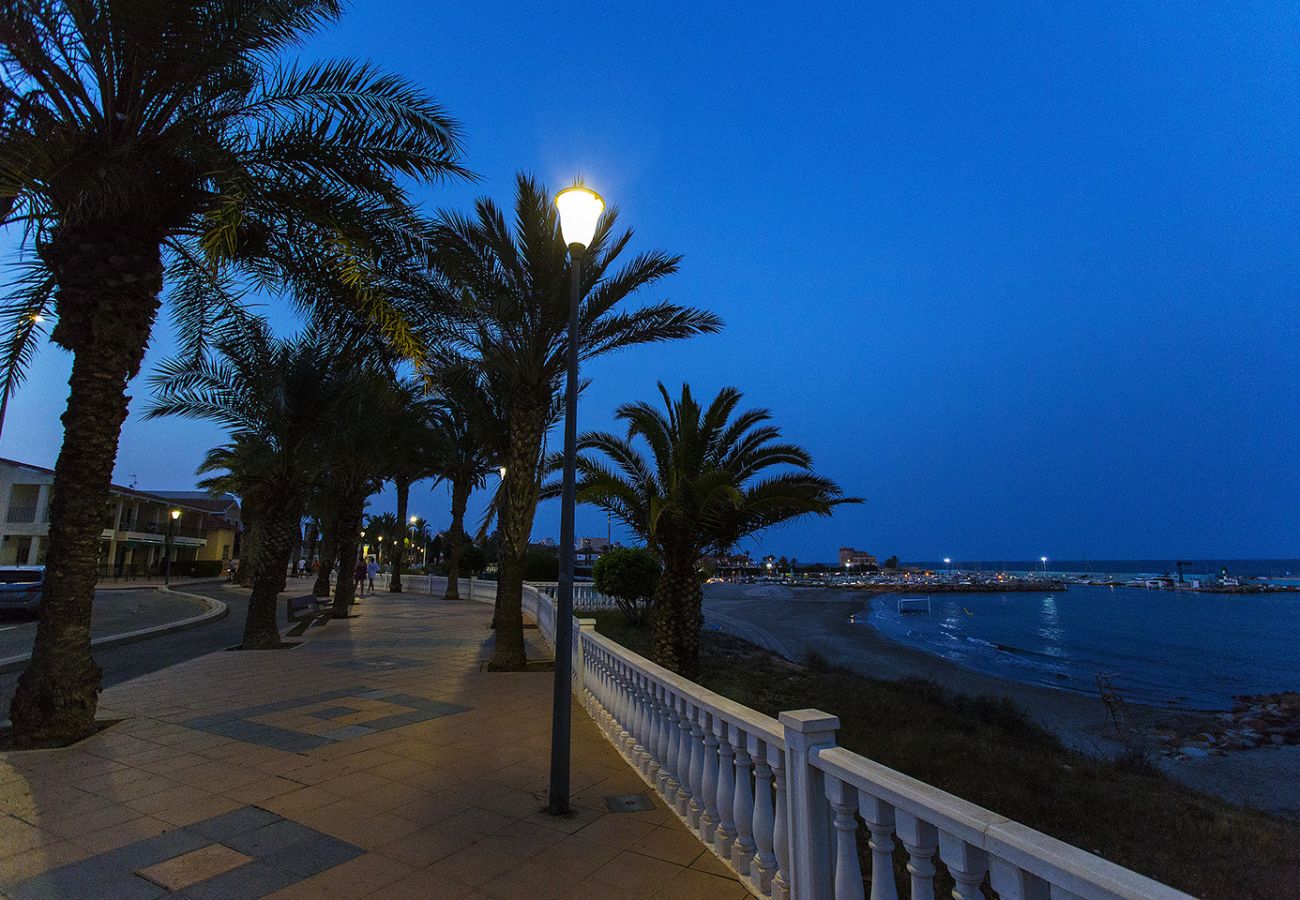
<point x="580" y="210"/>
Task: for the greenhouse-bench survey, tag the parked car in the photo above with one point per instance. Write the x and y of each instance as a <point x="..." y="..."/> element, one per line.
<point x="21" y="587"/>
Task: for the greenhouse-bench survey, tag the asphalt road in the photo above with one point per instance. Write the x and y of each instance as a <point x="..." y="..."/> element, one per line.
<point x="150" y="655"/>
<point x="115" y="612"/>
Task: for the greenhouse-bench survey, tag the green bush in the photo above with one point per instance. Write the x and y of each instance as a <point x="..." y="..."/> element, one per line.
<point x="629" y="575"/>
<point x="539" y="565"/>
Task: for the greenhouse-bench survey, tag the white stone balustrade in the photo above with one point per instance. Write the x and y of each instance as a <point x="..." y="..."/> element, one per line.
<point x="779" y="802"/>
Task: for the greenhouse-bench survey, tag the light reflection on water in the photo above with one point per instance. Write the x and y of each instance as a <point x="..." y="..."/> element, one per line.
<point x="1166" y="647"/>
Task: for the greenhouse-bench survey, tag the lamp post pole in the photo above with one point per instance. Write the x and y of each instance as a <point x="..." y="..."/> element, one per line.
<point x="562" y="704"/>
<point x="167" y="547"/>
<point x="579" y="210"/>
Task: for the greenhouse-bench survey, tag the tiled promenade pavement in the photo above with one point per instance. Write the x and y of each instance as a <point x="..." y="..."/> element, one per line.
<point x="376" y="759"/>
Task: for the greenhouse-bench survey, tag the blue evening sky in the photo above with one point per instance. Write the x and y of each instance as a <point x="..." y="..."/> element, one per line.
<point x="1023" y="275"/>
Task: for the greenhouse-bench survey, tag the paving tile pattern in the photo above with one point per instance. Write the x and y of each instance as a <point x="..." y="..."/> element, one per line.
<point x="419" y="776"/>
<point x="264" y="852"/>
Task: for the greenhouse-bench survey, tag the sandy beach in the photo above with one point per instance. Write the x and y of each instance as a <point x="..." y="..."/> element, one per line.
<point x="797" y="621"/>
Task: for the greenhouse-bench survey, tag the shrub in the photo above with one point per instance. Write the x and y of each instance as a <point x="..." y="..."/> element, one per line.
<point x="539" y="565"/>
<point x="629" y="575"/>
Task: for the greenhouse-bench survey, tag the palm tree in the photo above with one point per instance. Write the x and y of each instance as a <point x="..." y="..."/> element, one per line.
<point x="367" y="412"/>
<point x="272" y="396"/>
<point x="512" y="288"/>
<point x="412" y="457"/>
<point x="699" y="492"/>
<point x="144" y="139"/>
<point x="471" y="434"/>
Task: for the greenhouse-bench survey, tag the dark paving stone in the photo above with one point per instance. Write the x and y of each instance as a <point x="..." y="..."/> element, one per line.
<point x="313" y="856"/>
<point x="255" y="879"/>
<point x="400" y="719"/>
<point x="89" y="878"/>
<point x="347" y="732"/>
<point x="230" y="824"/>
<point x="332" y="712"/>
<point x="270" y="838"/>
<point x="156" y="849"/>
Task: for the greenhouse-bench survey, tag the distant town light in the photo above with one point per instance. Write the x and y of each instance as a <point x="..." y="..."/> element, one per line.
<point x="580" y="210"/>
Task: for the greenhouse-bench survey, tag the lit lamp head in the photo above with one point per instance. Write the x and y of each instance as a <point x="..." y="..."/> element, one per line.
<point x="176" y="514"/>
<point x="414" y="519"/>
<point x="502" y="471"/>
<point x="580" y="210"/>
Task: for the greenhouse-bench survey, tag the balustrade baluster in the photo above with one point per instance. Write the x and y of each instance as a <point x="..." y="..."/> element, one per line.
<point x="629" y="690"/>
<point x="966" y="863"/>
<point x="654" y="744"/>
<point x="643" y="721"/>
<point x="696" y="807"/>
<point x="725" y="836"/>
<point x="879" y="817"/>
<point x="848" y="871"/>
<point x="637" y="742"/>
<point x="764" y="822"/>
<point x="671" y="783"/>
<point x="920" y="840"/>
<point x="683" y="799"/>
<point x="1014" y="883"/>
<point x="780" y="834"/>
<point x="624" y="704"/>
<point x="742" y="850"/>
<point x="665" y="743"/>
<point x="709" y="783"/>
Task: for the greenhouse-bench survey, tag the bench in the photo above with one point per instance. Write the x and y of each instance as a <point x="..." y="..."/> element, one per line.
<point x="299" y="608"/>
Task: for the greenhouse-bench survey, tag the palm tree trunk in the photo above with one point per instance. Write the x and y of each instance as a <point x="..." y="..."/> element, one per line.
<point x="273" y="553"/>
<point x="528" y="425"/>
<point x="403" y="497"/>
<point x="678" y="616"/>
<point x="456" y="536"/>
<point x="108" y="286"/>
<point x="349" y="535"/>
<point x="329" y="554"/>
<point x="248" y="552"/>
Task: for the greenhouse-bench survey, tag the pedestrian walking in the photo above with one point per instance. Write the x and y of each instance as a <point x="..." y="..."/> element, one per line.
<point x="371" y="571"/>
<point x="359" y="573"/>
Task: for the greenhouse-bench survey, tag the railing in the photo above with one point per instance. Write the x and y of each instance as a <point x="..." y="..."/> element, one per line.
<point x="21" y="515"/>
<point x="779" y="802"/>
<point x="585" y="595"/>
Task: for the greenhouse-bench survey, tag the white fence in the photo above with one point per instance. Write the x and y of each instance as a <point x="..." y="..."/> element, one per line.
<point x="778" y="801"/>
<point x="585" y="595"/>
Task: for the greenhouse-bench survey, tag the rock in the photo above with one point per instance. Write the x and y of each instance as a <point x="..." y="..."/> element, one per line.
<point x="1277" y="738"/>
<point x="1194" y="752"/>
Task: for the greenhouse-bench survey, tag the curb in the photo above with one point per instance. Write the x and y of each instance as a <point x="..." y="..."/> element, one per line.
<point x="215" y="610"/>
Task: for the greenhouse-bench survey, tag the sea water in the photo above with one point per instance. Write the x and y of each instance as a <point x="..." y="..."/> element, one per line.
<point x="1171" y="648"/>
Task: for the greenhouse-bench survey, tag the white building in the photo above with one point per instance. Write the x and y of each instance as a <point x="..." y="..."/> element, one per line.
<point x="136" y="524"/>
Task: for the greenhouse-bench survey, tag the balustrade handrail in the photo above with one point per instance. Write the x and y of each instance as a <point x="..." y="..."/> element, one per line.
<point x="756" y="723"/>
<point x="1054" y="861"/>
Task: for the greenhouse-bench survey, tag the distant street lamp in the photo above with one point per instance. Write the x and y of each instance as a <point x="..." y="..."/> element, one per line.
<point x="947" y="561"/>
<point x="1043" y="560"/>
<point x="580" y="210"/>
<point x="167" y="548"/>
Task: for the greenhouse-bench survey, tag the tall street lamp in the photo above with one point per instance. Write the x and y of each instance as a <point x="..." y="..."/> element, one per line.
<point x="579" y="210"/>
<point x="167" y="548"/>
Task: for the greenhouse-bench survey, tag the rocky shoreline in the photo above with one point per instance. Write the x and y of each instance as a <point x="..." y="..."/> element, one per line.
<point x="1254" y="721"/>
